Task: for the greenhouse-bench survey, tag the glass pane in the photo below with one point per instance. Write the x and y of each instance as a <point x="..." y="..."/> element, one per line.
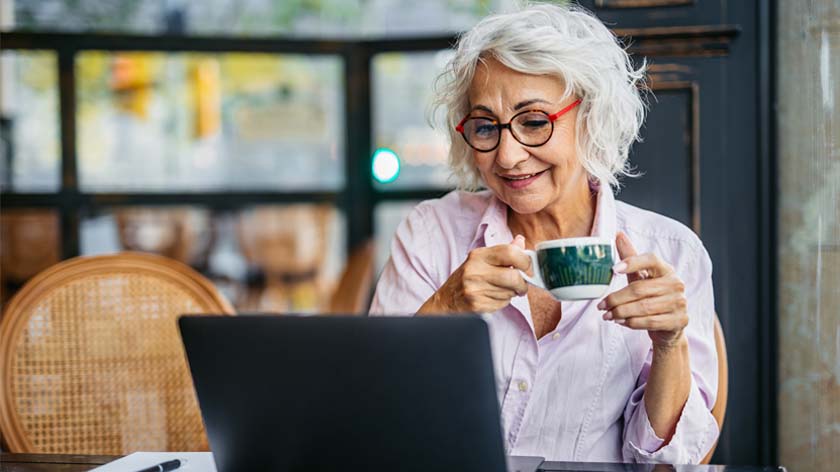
<point x="30" y="146"/>
<point x="402" y="95"/>
<point x="30" y="241"/>
<point x="199" y="122"/>
<point x="264" y="259"/>
<point x="387" y="217"/>
<point x="324" y="18"/>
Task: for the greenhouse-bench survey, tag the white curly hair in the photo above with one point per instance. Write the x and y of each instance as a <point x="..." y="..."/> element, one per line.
<point x="570" y="43"/>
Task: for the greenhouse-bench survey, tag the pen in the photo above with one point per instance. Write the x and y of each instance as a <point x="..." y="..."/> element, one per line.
<point x="163" y="466"/>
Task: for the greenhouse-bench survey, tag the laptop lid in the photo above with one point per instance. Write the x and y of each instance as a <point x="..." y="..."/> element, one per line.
<point x="355" y="393"/>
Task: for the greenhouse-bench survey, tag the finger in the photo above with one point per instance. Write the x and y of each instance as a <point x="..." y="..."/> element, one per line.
<point x="507" y="278"/>
<point x="483" y="296"/>
<point x="625" y="249"/>
<point x="643" y="266"/>
<point x="667" y="322"/>
<point x="624" y="245"/>
<point x="500" y="294"/>
<point x="670" y="303"/>
<point x="508" y="255"/>
<point x="519" y="241"/>
<point x="492" y="295"/>
<point x="637" y="291"/>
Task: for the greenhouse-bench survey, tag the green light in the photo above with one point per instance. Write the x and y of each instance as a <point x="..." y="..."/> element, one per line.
<point x="385" y="165"/>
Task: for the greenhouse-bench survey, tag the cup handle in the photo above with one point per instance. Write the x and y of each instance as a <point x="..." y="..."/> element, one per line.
<point x="536" y="280"/>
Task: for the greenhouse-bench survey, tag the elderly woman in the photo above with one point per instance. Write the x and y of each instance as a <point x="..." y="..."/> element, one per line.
<point x="543" y="105"/>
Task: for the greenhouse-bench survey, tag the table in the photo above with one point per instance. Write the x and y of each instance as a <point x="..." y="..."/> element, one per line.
<point x="77" y="463"/>
<point x="51" y="462"/>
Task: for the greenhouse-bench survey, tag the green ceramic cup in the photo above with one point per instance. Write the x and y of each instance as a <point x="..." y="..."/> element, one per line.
<point x="573" y="268"/>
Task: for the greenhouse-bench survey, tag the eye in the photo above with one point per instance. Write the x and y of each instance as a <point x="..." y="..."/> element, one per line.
<point x="533" y="121"/>
<point x="484" y="128"/>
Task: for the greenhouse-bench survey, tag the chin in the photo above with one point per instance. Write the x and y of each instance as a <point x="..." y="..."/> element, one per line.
<point x="525" y="204"/>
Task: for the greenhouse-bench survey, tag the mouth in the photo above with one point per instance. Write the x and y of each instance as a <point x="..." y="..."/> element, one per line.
<point x="520" y="181"/>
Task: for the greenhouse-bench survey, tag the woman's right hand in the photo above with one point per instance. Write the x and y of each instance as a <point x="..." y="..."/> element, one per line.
<point x="484" y="283"/>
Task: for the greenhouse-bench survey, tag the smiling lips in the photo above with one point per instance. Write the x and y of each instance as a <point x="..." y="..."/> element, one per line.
<point x="521" y="181"/>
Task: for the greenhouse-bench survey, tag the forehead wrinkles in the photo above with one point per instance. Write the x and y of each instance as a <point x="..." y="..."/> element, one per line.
<point x="500" y="88"/>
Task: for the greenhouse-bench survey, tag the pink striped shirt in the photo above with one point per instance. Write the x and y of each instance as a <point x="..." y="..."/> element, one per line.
<point x="576" y="394"/>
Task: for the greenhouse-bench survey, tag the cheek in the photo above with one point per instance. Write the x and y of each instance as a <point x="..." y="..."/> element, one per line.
<point x="562" y="151"/>
<point x="564" y="137"/>
<point x="561" y="157"/>
<point x="482" y="162"/>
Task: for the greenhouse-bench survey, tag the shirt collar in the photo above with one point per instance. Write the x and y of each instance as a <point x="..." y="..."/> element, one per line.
<point x="492" y="228"/>
<point x="605" y="223"/>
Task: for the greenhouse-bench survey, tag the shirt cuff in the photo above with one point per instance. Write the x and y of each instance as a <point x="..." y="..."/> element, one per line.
<point x="694" y="436"/>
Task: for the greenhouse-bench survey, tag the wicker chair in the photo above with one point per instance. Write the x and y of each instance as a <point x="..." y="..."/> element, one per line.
<point x="29" y="243"/>
<point x="288" y="246"/>
<point x="719" y="410"/>
<point x="91" y="361"/>
<point x="185" y="234"/>
<point x="352" y="295"/>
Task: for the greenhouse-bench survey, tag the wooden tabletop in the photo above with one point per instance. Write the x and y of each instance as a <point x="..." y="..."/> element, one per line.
<point x="51" y="462"/>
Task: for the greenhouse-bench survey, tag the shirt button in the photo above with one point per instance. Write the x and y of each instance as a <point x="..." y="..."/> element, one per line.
<point x="555" y="336"/>
<point x="523" y="386"/>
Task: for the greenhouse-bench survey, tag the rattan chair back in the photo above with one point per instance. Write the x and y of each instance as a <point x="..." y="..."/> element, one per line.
<point x="719" y="410"/>
<point x="91" y="361"/>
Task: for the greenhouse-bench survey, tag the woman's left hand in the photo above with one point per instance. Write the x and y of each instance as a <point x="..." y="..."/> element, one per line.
<point x="653" y="300"/>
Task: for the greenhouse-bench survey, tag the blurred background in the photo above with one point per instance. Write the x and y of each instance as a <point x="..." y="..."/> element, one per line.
<point x="275" y="145"/>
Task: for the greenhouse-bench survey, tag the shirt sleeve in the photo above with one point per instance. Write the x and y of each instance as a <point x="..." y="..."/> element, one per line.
<point x="696" y="430"/>
<point x="408" y="279"/>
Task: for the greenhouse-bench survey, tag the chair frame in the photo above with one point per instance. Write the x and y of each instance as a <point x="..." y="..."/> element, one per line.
<point x="719" y="410"/>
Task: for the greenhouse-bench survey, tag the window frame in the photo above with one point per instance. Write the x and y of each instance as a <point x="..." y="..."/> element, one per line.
<point x="357" y="199"/>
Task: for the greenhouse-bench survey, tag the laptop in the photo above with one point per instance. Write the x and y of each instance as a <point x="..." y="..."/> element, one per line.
<point x="348" y="393"/>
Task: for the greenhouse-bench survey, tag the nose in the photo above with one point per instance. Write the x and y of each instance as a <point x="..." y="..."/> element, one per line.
<point x="510" y="151"/>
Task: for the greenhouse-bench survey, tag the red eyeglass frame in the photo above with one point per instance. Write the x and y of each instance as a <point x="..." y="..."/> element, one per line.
<point x="552" y="118"/>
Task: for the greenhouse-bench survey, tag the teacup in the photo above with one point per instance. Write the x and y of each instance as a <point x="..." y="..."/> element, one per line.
<point x="573" y="268"/>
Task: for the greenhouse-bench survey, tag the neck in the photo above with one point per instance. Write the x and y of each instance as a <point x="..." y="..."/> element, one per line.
<point x="570" y="216"/>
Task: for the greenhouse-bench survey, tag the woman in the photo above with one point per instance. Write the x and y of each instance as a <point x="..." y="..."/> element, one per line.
<point x="543" y="106"/>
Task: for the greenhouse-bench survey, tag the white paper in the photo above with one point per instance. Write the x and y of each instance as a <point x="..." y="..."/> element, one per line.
<point x="195" y="462"/>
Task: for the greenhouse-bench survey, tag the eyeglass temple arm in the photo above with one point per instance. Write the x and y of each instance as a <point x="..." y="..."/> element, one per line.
<point x="460" y="126"/>
<point x="563" y="111"/>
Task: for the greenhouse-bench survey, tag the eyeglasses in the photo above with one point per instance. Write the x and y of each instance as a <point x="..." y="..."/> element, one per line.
<point x="532" y="128"/>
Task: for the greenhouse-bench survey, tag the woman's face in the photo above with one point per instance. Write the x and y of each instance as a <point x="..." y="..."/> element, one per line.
<point x="527" y="179"/>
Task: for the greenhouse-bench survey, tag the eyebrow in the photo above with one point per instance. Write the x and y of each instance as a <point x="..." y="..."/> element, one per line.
<point x="519" y="105"/>
<point x="532" y="101"/>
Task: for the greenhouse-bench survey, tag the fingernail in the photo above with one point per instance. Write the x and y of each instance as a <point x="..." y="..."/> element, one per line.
<point x="621" y="322"/>
<point x="620" y="267"/>
<point x="608" y="315"/>
<point x="602" y="305"/>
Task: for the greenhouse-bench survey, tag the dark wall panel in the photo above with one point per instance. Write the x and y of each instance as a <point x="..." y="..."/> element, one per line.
<point x="664" y="158"/>
<point x="648" y="13"/>
<point x="702" y="166"/>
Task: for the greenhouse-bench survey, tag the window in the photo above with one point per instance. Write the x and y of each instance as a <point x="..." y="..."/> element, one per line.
<point x="189" y="122"/>
<point x="402" y="99"/>
<point x="29" y="122"/>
